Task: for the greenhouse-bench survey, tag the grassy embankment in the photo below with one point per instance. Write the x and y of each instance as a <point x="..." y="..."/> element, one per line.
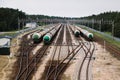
<point x="8" y="34"/>
<point x="110" y="40"/>
<point x="11" y="33"/>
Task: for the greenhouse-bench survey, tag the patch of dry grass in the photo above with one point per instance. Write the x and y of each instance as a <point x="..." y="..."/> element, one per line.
<point x="3" y="63"/>
<point x="64" y="77"/>
<point x="1" y="74"/>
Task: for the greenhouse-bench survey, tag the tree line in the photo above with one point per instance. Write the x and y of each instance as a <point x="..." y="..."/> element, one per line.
<point x="9" y="19"/>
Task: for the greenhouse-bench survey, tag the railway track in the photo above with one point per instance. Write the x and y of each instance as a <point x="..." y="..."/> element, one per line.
<point x="71" y="54"/>
<point x="25" y="58"/>
<point x="27" y="71"/>
<point x="65" y="61"/>
<point x="88" y="51"/>
<point x="108" y="46"/>
<point x="24" y="50"/>
<point x="57" y="49"/>
<point x="68" y="39"/>
<point x="57" y="68"/>
<point x="88" y="48"/>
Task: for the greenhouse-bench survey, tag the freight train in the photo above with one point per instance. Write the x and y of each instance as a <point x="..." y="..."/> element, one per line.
<point x="75" y="31"/>
<point x="85" y="33"/>
<point x="49" y="36"/>
<point x="37" y="36"/>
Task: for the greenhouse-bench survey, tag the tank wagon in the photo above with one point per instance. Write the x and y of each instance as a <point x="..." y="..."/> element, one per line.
<point x="75" y="31"/>
<point x="86" y="33"/>
<point x="49" y="36"/>
<point x="37" y="36"/>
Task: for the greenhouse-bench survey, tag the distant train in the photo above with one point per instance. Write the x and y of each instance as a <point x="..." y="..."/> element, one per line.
<point x="49" y="36"/>
<point x="75" y="31"/>
<point x="85" y="33"/>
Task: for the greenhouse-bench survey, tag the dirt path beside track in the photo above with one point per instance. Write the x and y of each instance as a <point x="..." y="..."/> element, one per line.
<point x="105" y="66"/>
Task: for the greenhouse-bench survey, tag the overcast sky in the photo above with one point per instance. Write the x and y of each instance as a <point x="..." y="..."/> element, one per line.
<point x="65" y="8"/>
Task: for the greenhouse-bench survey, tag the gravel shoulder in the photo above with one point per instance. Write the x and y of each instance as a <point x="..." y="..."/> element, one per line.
<point x="105" y="66"/>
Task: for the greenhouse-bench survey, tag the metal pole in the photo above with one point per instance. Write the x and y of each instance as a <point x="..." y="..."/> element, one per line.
<point x="104" y="45"/>
<point x="35" y="66"/>
<point x="23" y="24"/>
<point x="92" y="23"/>
<point x="113" y="29"/>
<point x="18" y="24"/>
<point x="100" y="25"/>
<point x="27" y="62"/>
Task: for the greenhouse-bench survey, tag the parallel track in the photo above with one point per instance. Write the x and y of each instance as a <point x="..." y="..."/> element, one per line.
<point x="108" y="46"/>
<point x="88" y="54"/>
<point x="53" y="62"/>
<point x="24" y="50"/>
<point x="25" y="59"/>
<point x="57" y="69"/>
<point x="32" y="64"/>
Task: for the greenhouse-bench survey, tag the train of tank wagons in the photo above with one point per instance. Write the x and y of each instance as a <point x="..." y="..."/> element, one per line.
<point x="48" y="35"/>
<point x="38" y="36"/>
<point x="84" y="33"/>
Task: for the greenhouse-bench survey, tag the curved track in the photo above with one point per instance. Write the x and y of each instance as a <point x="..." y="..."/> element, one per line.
<point x="32" y="64"/>
<point x="56" y="69"/>
<point x="88" y="49"/>
<point x="24" y="50"/>
<point x="57" y="65"/>
<point x="26" y="59"/>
